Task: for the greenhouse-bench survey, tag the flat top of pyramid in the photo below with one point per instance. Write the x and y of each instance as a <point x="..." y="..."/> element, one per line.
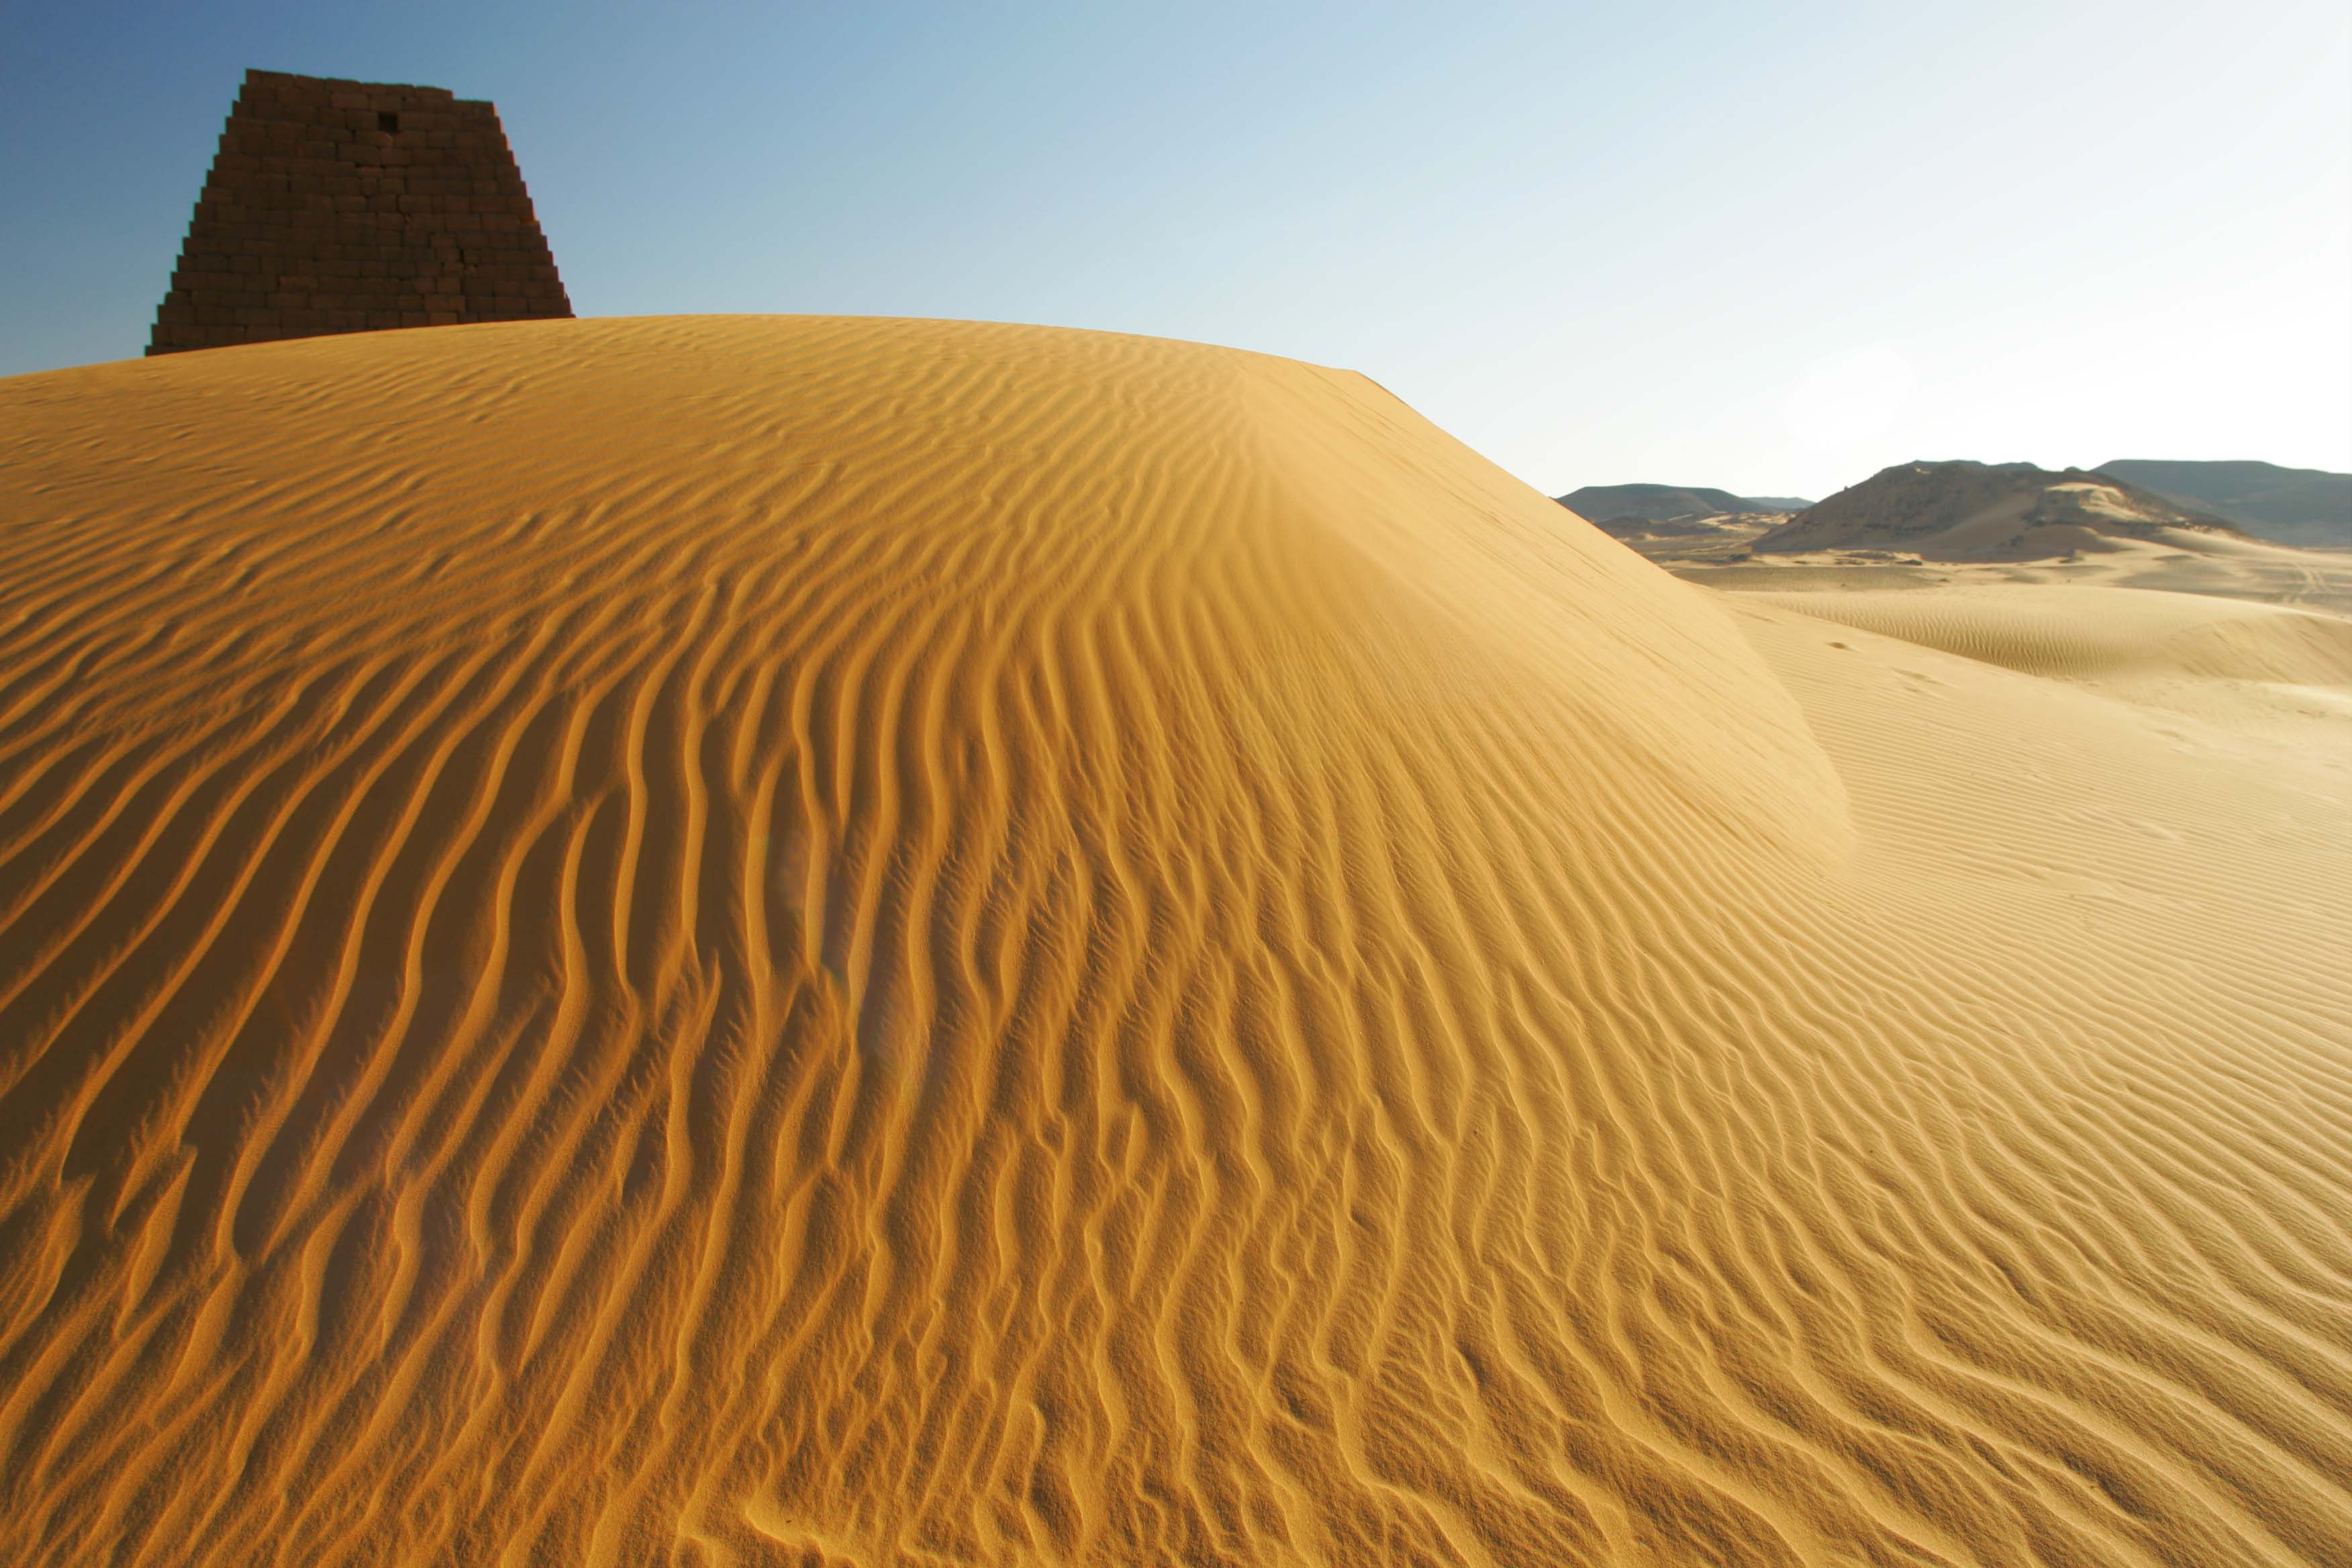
<point x="293" y="85"/>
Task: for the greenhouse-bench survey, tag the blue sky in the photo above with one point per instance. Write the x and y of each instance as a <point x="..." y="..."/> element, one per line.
<point x="1768" y="249"/>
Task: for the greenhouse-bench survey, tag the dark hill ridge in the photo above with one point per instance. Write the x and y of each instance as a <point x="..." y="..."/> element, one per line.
<point x="1664" y="503"/>
<point x="1982" y="511"/>
<point x="2290" y="506"/>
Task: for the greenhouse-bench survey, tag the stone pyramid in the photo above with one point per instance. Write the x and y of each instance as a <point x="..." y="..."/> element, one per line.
<point x="355" y="206"/>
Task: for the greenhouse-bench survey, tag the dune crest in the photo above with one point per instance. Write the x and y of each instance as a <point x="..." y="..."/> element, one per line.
<point x="744" y="940"/>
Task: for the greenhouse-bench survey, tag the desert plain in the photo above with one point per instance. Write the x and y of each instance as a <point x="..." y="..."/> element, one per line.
<point x="752" y="941"/>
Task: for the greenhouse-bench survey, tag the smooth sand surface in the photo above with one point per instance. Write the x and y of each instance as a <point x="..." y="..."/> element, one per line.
<point x="2091" y="632"/>
<point x="2253" y="668"/>
<point x="792" y="941"/>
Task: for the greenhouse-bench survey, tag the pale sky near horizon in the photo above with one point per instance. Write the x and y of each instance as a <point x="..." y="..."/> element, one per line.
<point x="1772" y="249"/>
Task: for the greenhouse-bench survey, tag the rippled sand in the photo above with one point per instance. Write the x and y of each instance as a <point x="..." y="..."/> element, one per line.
<point x="778" y="941"/>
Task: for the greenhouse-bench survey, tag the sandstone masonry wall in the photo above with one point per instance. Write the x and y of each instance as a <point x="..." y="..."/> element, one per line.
<point x="352" y="207"/>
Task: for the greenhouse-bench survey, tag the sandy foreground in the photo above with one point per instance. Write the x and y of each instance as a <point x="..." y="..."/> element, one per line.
<point x="779" y="941"/>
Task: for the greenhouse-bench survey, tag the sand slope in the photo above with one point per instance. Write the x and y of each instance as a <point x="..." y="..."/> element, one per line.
<point x="775" y="940"/>
<point x="2084" y="632"/>
<point x="2257" y="671"/>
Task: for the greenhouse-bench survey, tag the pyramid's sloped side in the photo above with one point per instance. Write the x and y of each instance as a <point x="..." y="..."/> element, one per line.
<point x="351" y="206"/>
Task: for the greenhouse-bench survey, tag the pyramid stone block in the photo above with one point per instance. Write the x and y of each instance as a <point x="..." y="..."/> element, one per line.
<point x="355" y="206"/>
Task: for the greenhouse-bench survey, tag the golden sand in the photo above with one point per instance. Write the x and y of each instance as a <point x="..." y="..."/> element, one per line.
<point x="778" y="941"/>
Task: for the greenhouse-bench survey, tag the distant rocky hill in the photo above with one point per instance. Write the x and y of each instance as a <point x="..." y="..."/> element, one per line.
<point x="2290" y="506"/>
<point x="1664" y="503"/>
<point x="1982" y="511"/>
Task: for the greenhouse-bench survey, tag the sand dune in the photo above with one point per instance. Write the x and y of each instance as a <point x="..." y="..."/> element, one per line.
<point x="2258" y="670"/>
<point x="783" y="941"/>
<point x="2078" y="632"/>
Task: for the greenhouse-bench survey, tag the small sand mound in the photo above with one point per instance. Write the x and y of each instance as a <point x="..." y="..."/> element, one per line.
<point x="736" y="942"/>
<point x="2071" y="632"/>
